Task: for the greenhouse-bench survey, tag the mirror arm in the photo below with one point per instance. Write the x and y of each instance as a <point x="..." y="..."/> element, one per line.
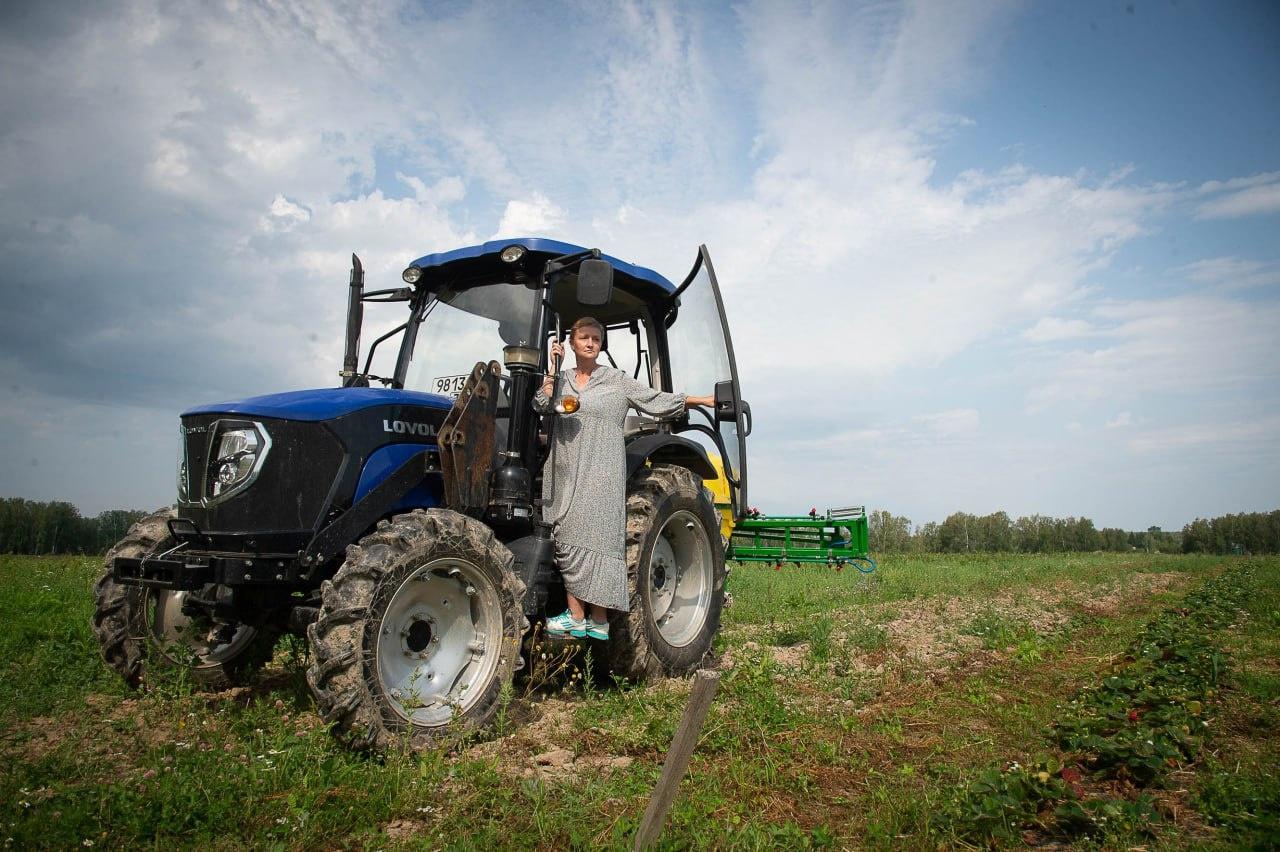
<point x="395" y="294"/>
<point x="368" y="362"/>
<point x="559" y="264"/>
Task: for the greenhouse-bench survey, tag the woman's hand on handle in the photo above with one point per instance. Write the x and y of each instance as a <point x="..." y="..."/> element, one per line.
<point x="691" y="401"/>
<point x="557" y="356"/>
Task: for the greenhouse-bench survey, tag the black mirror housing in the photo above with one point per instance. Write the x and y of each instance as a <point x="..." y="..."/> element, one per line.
<point x="595" y="282"/>
<point x="726" y="411"/>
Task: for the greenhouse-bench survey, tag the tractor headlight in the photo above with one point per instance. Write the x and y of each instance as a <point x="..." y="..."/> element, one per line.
<point x="183" y="487"/>
<point x="241" y="450"/>
<point x="412" y="275"/>
<point x="511" y="254"/>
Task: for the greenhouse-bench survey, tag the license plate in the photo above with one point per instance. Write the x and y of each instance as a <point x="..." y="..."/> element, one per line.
<point x="449" y="385"/>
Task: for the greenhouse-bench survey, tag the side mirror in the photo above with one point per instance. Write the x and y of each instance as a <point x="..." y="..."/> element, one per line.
<point x="726" y="409"/>
<point x="595" y="282"/>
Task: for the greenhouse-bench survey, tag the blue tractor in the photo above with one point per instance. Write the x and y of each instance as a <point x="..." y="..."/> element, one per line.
<point x="399" y="526"/>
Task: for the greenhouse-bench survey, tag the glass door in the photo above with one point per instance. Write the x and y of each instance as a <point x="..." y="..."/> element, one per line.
<point x="701" y="362"/>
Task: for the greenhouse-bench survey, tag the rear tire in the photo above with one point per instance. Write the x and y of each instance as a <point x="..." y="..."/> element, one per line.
<point x="135" y="625"/>
<point x="675" y="577"/>
<point x="418" y="632"/>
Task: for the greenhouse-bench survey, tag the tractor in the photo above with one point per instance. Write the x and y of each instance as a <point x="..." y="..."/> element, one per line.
<point x="396" y="521"/>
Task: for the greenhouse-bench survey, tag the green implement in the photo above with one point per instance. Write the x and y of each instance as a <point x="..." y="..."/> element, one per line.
<point x="837" y="538"/>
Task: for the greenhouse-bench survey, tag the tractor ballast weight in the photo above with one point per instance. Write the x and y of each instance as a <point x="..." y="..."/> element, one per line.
<point x="400" y="527"/>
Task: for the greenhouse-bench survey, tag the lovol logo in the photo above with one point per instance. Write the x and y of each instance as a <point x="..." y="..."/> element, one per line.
<point x="404" y="427"/>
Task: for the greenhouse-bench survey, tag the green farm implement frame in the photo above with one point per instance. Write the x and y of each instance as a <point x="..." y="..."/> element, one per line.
<point x="837" y="538"/>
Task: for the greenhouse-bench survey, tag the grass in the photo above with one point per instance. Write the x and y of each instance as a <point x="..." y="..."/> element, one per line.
<point x="852" y="712"/>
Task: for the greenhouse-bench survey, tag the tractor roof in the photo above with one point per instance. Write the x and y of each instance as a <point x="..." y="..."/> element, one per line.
<point x="473" y="259"/>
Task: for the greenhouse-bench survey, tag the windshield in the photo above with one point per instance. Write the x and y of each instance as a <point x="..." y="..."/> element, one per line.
<point x="466" y="326"/>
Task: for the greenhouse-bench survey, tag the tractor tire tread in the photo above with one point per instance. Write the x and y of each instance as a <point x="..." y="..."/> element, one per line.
<point x="340" y="673"/>
<point x="630" y="654"/>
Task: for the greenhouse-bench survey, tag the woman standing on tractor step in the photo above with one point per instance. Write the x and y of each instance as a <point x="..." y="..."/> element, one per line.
<point x="588" y="484"/>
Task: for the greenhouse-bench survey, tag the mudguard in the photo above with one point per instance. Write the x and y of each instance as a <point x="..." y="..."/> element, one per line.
<point x="669" y="449"/>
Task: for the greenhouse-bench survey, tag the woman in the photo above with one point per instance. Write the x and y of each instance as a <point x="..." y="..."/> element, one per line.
<point x="588" y="484"/>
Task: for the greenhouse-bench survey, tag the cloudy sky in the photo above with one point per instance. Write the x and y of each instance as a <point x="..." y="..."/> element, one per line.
<point x="976" y="256"/>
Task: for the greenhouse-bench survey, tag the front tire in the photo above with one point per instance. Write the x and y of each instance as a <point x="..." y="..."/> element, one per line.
<point x="135" y="625"/>
<point x="675" y="577"/>
<point x="418" y="632"/>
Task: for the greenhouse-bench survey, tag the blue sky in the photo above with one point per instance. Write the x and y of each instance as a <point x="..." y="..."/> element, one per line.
<point x="977" y="256"/>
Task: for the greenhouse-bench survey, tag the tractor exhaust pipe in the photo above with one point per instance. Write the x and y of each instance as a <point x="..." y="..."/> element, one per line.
<point x="355" y="318"/>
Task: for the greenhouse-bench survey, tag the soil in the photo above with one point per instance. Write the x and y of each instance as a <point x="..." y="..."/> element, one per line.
<point x="541" y="748"/>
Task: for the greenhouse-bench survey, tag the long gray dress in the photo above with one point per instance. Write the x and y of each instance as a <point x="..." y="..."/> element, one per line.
<point x="589" y="483"/>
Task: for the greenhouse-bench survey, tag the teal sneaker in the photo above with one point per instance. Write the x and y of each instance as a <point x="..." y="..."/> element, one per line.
<point x="565" y="624"/>
<point x="597" y="629"/>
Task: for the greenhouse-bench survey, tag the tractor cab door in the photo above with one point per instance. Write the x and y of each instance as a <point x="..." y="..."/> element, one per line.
<point x="701" y="358"/>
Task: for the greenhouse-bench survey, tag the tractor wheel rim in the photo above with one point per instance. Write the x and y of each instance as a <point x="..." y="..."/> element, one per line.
<point x="680" y="579"/>
<point x="194" y="642"/>
<point x="439" y="641"/>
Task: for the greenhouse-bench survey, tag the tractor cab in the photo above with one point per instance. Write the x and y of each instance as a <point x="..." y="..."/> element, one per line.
<point x="504" y="301"/>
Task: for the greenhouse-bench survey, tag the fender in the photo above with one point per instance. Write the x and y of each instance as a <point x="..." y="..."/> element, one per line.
<point x="669" y="449"/>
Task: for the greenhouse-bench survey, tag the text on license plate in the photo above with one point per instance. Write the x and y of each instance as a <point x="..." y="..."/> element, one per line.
<point x="449" y="385"/>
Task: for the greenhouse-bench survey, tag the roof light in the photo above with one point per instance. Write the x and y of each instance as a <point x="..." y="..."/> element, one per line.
<point x="412" y="275"/>
<point x="511" y="254"/>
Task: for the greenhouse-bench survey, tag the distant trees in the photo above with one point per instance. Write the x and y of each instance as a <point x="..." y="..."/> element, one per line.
<point x="891" y="533"/>
<point x="1247" y="532"/>
<point x="30" y="526"/>
<point x="962" y="532"/>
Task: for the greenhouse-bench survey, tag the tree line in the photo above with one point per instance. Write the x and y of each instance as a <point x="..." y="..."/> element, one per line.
<point x="1247" y="532"/>
<point x="962" y="532"/>
<point x="31" y="526"/>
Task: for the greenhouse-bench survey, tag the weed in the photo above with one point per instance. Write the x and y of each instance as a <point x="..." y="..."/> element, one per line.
<point x="867" y="637"/>
<point x="1245" y="804"/>
<point x="1029" y="651"/>
<point x="995" y="630"/>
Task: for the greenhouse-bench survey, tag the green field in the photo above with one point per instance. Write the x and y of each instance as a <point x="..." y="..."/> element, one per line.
<point x="936" y="703"/>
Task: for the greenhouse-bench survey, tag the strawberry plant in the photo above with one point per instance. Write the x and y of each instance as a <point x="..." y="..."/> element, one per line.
<point x="1149" y="714"/>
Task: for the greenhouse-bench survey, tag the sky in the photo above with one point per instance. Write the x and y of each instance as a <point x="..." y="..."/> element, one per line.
<point x="976" y="256"/>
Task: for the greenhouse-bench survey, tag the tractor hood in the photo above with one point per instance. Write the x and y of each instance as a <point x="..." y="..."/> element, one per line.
<point x="322" y="403"/>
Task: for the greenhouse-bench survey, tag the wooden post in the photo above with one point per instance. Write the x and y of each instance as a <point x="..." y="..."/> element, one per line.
<point x="695" y="713"/>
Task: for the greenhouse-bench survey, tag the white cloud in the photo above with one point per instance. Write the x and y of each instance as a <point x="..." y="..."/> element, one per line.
<point x="538" y="215"/>
<point x="1185" y="345"/>
<point x="283" y="215"/>
<point x="946" y="424"/>
<point x="1258" y="440"/>
<point x="921" y="430"/>
<point x="1050" y="329"/>
<point x="1252" y="196"/>
<point x="1121" y="420"/>
<point x="1232" y="272"/>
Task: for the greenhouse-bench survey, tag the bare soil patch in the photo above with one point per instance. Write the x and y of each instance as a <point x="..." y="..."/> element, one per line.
<point x="548" y="747"/>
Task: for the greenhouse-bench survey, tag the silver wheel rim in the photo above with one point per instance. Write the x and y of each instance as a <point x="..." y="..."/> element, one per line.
<point x="187" y="641"/>
<point x="680" y="579"/>
<point x="439" y="642"/>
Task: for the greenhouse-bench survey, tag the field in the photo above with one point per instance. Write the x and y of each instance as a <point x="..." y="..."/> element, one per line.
<point x="1121" y="700"/>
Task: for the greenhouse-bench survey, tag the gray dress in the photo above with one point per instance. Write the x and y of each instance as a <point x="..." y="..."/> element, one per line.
<point x="589" y="482"/>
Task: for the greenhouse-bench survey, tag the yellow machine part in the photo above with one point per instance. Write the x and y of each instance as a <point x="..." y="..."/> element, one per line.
<point x="719" y="488"/>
